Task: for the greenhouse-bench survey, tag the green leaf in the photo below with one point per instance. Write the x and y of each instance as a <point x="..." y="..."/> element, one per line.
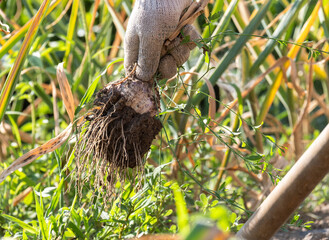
<point x="206" y="57"/>
<point x="218" y="6"/>
<point x="35" y="61"/>
<point x="168" y="213"/>
<point x="55" y="198"/>
<point x="22" y="224"/>
<point x="204" y="199"/>
<point x="270" y="138"/>
<point x="71" y="30"/>
<point x="199" y="203"/>
<point x="310" y="55"/>
<point x="143" y="203"/>
<point x="76" y="230"/>
<point x="182" y="215"/>
<point x="215" y="15"/>
<point x="15" y="130"/>
<point x="41" y="219"/>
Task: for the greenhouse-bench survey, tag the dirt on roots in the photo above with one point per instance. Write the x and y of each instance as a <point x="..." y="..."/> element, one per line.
<point x="117" y="132"/>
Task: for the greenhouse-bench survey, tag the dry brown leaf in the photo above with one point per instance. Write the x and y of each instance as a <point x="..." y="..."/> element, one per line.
<point x="66" y="91"/>
<point x="21" y="196"/>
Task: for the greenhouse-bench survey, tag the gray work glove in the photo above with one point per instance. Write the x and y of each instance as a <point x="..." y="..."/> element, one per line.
<point x="150" y="24"/>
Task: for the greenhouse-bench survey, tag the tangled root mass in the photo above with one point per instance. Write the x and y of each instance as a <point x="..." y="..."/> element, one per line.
<point x="127" y="135"/>
<point x="118" y="130"/>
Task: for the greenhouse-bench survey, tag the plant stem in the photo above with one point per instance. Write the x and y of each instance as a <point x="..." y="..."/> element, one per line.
<point x="227" y="154"/>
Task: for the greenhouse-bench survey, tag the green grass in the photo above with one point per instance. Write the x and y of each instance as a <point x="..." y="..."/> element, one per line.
<point x="206" y="165"/>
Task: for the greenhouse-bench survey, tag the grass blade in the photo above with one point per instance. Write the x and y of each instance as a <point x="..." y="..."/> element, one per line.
<point x="70" y="30"/>
<point x="116" y="20"/>
<point x="286" y="20"/>
<point x="291" y="54"/>
<point x="182" y="215"/>
<point x="22" y="224"/>
<point x="15" y="130"/>
<point x="224" y="22"/>
<point x="41" y="219"/>
<point x="235" y="50"/>
<point x="55" y="198"/>
<point x="14" y="74"/>
<point x="20" y="33"/>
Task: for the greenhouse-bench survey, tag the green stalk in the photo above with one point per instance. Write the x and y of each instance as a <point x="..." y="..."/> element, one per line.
<point x="15" y="71"/>
<point x="229" y="57"/>
<point x="218" y="6"/>
<point x="285" y="22"/>
<point x="71" y="30"/>
<point x="258" y="134"/>
<point x="227" y="154"/>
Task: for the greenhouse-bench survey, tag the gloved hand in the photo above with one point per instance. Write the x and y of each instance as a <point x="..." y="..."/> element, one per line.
<point x="150" y="24"/>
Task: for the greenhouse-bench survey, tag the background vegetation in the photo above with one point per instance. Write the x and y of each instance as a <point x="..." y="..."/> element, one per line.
<point x="252" y="97"/>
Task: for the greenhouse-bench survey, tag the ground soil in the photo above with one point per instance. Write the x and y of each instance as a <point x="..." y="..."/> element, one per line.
<point x="319" y="227"/>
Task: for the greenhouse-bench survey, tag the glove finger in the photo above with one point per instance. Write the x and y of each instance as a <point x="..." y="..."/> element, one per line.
<point x="167" y="67"/>
<point x="148" y="57"/>
<point x="181" y="51"/>
<point x="187" y="31"/>
<point x="180" y="54"/>
<point x="190" y="31"/>
<point x="131" y="48"/>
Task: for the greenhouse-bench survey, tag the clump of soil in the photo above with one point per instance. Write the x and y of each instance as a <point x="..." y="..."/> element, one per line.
<point x="117" y="132"/>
